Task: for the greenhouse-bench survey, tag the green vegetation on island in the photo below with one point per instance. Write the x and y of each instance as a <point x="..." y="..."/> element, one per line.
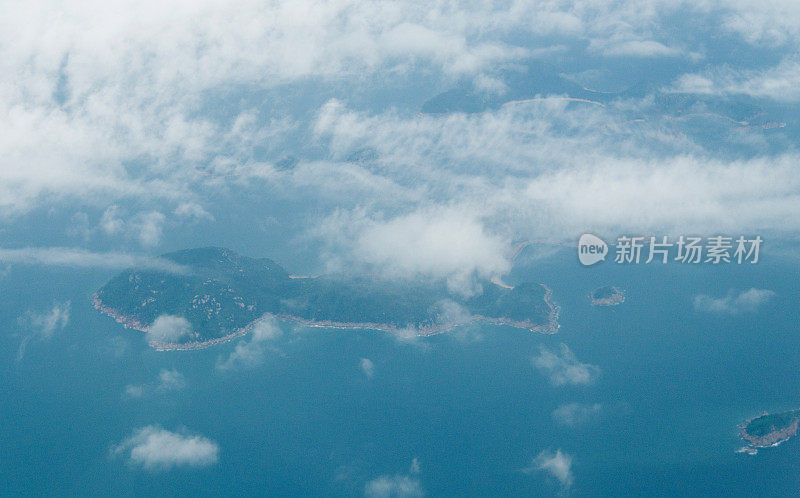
<point x="222" y="293"/>
<point x="607" y="296"/>
<point x="770" y="429"/>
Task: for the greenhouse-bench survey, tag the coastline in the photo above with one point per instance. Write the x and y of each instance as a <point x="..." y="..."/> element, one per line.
<point x="127" y="322"/>
<point x="550" y="327"/>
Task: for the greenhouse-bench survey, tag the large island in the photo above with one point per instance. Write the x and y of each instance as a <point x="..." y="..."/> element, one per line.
<point x="223" y="294"/>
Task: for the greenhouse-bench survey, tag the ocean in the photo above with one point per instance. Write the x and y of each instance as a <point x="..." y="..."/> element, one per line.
<point x="464" y="413"/>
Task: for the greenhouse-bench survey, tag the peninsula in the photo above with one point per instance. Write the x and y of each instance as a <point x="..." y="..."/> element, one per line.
<point x="223" y="294"/>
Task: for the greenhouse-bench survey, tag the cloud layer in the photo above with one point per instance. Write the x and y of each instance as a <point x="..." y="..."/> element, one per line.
<point x="165" y="108"/>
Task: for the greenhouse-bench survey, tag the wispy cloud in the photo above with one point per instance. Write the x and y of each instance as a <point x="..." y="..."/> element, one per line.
<point x="118" y="139"/>
<point x="743" y="302"/>
<point x="634" y="48"/>
<point x="577" y="414"/>
<point x="563" y="368"/>
<point x="193" y="211"/>
<point x="249" y="353"/>
<point x="168" y="380"/>
<point x="40" y="326"/>
<point x="399" y="486"/>
<point x="367" y="367"/>
<point x="778" y="83"/>
<point x="81" y="258"/>
<point x="558" y="464"/>
<point x="541" y="168"/>
<point x="146" y="227"/>
<point x="157" y="449"/>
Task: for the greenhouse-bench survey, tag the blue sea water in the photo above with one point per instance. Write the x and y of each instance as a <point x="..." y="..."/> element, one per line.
<point x="469" y="405"/>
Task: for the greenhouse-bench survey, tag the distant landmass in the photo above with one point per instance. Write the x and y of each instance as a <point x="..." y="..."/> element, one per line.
<point x="223" y="294"/>
<point x="769" y="429"/>
<point x="521" y="84"/>
<point x="537" y="80"/>
<point x="607" y="296"/>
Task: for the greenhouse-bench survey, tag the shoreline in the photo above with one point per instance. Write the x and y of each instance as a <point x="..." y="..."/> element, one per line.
<point x="550" y="327"/>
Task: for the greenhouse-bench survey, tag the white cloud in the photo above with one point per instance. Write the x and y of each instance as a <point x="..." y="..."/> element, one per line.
<point x="250" y="353"/>
<point x="449" y="312"/>
<point x="42" y="326"/>
<point x="146" y="227"/>
<point x="266" y="330"/>
<point x="490" y="85"/>
<point x="409" y="336"/>
<point x="453" y="315"/>
<point x="149" y="228"/>
<point x="110" y="222"/>
<point x="436" y="243"/>
<point x="398" y="486"/>
<point x="448" y="243"/>
<point x="770" y="24"/>
<point x="47" y="323"/>
<point x="563" y="367"/>
<point x="558" y="465"/>
<point x="154" y="448"/>
<point x="576" y="414"/>
<point x="744" y="302"/>
<point x="696" y="83"/>
<point x="170" y="380"/>
<point x="168" y="328"/>
<point x="193" y="210"/>
<point x="367" y="367"/>
<point x="134" y="391"/>
<point x="246" y="354"/>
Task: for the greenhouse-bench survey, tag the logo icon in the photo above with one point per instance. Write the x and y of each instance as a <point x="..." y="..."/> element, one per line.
<point x="591" y="249"/>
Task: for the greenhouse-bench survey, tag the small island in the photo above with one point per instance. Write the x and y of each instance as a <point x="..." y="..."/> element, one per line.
<point x="768" y="429"/>
<point x="607" y="296"/>
<point x="222" y="295"/>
